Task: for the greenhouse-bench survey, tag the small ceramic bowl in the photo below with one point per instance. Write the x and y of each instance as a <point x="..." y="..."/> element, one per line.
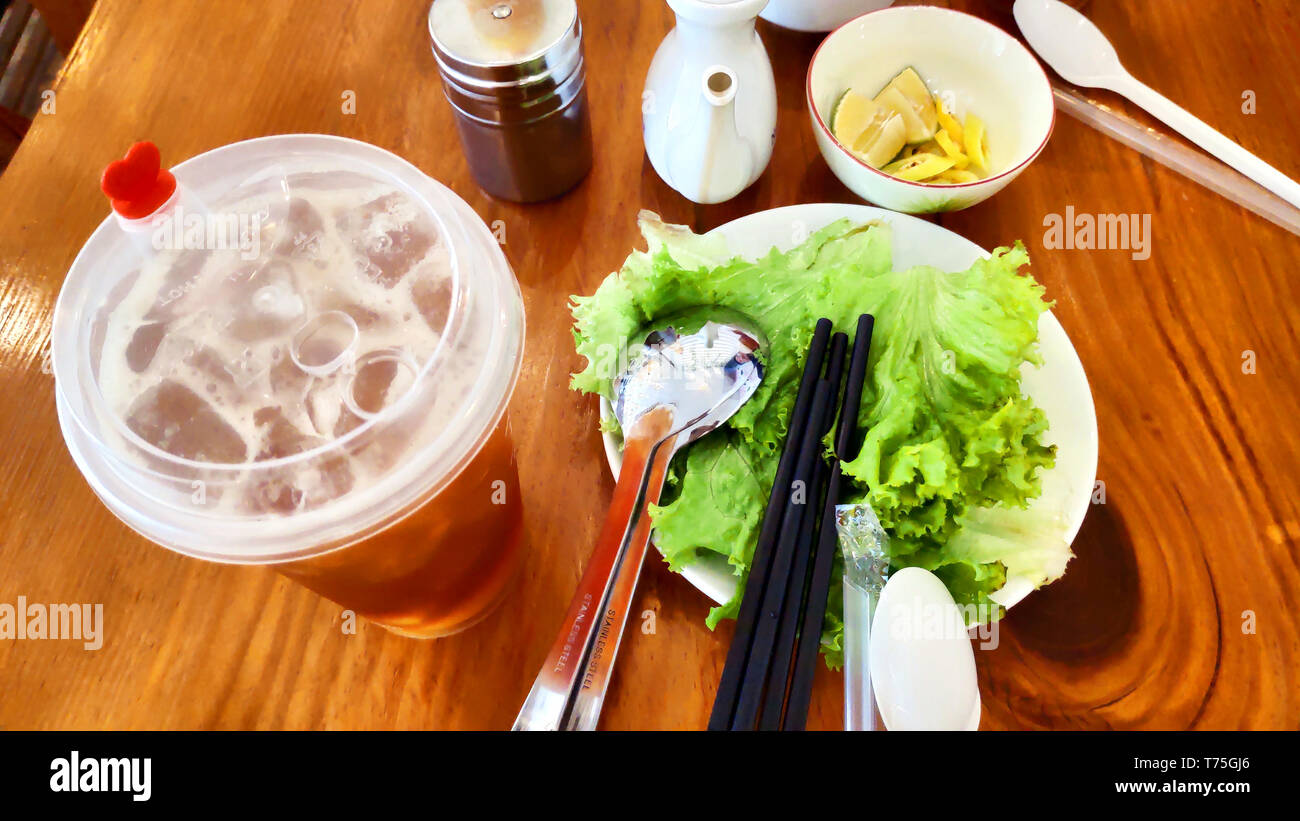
<point x="974" y="66"/>
<point x="817" y="15"/>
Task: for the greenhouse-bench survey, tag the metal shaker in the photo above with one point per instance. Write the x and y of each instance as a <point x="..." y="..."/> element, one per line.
<point x="514" y="74"/>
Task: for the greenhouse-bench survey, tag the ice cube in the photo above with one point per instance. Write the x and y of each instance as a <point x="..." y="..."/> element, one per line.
<point x="304" y="231"/>
<point x="297" y="486"/>
<point x="173" y="418"/>
<point x="288" y="381"/>
<point x="261" y="302"/>
<point x="371" y="385"/>
<point x="389" y="237"/>
<point x="323" y="405"/>
<point x="279" y="436"/>
<point x="210" y="366"/>
<point x="144" y="344"/>
<point x="276" y="494"/>
<point x="248" y="367"/>
<point x="433" y="300"/>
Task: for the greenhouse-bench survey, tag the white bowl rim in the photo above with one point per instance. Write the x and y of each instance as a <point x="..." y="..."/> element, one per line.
<point x="817" y="115"/>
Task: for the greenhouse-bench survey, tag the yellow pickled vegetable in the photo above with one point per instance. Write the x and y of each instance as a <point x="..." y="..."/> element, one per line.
<point x="976" y="144"/>
<point x="951" y="149"/>
<point x="956" y="176"/>
<point x="919" y="167"/>
<point x="908" y="132"/>
<point x="948" y="122"/>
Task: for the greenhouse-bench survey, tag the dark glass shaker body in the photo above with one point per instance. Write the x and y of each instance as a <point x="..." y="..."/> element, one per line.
<point x="522" y="118"/>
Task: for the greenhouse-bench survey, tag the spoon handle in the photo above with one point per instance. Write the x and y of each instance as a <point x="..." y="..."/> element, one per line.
<point x="549" y="703"/>
<point x="1199" y="132"/>
<point x="590" y="696"/>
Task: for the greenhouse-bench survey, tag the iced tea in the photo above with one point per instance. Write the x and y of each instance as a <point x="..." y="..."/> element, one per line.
<point x="444" y="566"/>
<point x="307" y="369"/>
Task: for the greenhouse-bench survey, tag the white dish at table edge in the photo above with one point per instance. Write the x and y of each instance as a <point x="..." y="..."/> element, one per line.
<point x="820" y="16"/>
<point x="1059" y="387"/>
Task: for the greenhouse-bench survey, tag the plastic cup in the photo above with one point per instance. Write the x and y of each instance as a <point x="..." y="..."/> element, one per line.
<point x="304" y="361"/>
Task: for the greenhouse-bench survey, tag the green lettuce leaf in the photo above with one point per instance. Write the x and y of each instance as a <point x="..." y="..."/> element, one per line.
<point x="948" y="430"/>
<point x="720" y="470"/>
<point x="947" y="427"/>
<point x="1030" y="544"/>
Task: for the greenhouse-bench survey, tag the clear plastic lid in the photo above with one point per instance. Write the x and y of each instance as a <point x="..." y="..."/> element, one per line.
<point x="310" y="338"/>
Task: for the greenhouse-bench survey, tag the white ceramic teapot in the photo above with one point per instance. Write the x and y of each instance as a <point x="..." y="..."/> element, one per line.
<point x="710" y="101"/>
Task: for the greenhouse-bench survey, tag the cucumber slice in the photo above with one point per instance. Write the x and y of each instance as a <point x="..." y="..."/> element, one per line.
<point x="916" y="97"/>
<point x="873" y="132"/>
<point x="919" y="167"/>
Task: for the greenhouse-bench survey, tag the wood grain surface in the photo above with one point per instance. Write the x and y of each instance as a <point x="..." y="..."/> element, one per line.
<point x="1180" y="610"/>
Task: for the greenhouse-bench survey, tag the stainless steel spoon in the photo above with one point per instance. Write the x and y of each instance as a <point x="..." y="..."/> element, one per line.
<point x="675" y="389"/>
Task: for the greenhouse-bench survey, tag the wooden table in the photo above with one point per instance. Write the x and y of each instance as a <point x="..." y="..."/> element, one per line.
<point x="1180" y="609"/>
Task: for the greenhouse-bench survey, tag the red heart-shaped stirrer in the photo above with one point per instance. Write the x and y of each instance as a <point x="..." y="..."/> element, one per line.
<point x="137" y="184"/>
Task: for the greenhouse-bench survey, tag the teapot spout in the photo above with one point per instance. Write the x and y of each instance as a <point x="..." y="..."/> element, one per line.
<point x="713" y="163"/>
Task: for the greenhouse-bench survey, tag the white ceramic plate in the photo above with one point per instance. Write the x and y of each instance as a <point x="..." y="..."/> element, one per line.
<point x="1059" y="387"/>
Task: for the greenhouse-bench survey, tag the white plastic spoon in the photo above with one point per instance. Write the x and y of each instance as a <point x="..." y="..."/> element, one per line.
<point x="921" y="660"/>
<point x="1080" y="53"/>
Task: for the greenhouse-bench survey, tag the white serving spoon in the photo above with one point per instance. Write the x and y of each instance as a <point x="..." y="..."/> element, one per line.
<point x="920" y="656"/>
<point x="1080" y="53"/>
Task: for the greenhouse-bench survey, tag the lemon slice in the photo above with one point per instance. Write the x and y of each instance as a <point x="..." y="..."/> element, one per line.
<point x="905" y="123"/>
<point x="880" y="144"/>
<point x="842" y="113"/>
<point x="976" y="143"/>
<point x="873" y="132"/>
<point x="912" y="96"/>
<point x="917" y="131"/>
<point x="919" y="167"/>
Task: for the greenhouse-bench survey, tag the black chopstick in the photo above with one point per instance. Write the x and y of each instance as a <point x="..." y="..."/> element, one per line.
<point x="724" y="703"/>
<point x="846" y="449"/>
<point x="754" y="680"/>
<point x="814" y="612"/>
<point x="778" y="675"/>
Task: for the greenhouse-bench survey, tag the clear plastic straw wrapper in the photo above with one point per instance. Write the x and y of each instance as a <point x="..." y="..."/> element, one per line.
<point x="865" y="547"/>
<point x="1209" y="172"/>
